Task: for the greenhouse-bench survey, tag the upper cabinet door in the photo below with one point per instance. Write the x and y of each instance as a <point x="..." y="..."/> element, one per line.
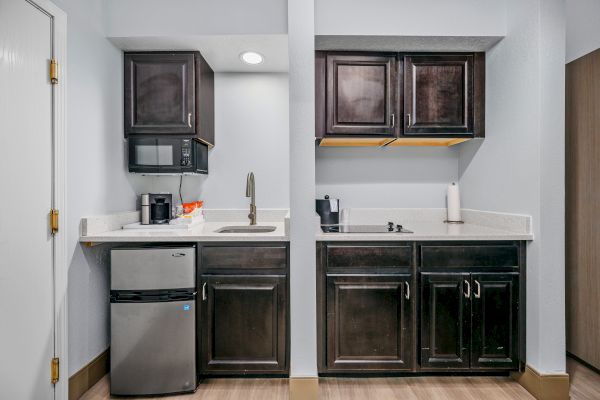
<point x="438" y="94"/>
<point x="160" y="93"/>
<point x="361" y="94"/>
<point x="495" y="337"/>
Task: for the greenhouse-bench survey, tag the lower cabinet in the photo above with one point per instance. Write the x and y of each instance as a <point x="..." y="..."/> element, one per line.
<point x="469" y="320"/>
<point x="244" y="323"/>
<point x="243" y="291"/>
<point x="369" y="322"/>
<point x="385" y="307"/>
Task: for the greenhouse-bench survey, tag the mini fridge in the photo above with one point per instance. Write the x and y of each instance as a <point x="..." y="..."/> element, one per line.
<point x="152" y="321"/>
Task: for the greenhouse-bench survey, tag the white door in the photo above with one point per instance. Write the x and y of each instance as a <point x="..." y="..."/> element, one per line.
<point x="26" y="184"/>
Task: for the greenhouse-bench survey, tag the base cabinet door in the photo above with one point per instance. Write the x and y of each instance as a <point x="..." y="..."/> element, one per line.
<point x="244" y="324"/>
<point x="495" y="317"/>
<point x="368" y="322"/>
<point x="445" y="316"/>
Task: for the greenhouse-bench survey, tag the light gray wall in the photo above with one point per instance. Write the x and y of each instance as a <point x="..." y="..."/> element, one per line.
<point x="583" y="29"/>
<point x="303" y="275"/>
<point x="411" y="17"/>
<point x="96" y="178"/>
<point x="252" y="134"/>
<point x="410" y="177"/>
<point x="519" y="167"/>
<point x="195" y="17"/>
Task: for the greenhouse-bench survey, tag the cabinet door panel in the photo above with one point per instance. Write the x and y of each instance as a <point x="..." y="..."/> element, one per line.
<point x="368" y="322"/>
<point x="159" y="94"/>
<point x="438" y="94"/>
<point x="361" y="95"/>
<point x="495" y="334"/>
<point x="244" y="324"/>
<point x="445" y="315"/>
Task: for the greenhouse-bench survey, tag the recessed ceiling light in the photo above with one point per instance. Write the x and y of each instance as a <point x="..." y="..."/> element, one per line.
<point x="251" y="57"/>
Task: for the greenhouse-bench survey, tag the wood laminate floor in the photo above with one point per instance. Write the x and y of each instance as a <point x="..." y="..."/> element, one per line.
<point x="585" y="385"/>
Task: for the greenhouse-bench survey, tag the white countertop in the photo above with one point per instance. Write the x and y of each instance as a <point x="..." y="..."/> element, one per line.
<point x="430" y="231"/>
<point x="108" y="228"/>
<point x="426" y="224"/>
<point x="204" y="232"/>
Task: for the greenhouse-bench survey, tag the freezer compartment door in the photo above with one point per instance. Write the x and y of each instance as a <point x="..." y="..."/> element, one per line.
<point x="153" y="349"/>
<point x="152" y="268"/>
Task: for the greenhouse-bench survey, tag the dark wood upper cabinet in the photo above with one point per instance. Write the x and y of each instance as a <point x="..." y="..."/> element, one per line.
<point x="244" y="319"/>
<point x="361" y="94"/>
<point x="399" y="96"/>
<point x="445" y="320"/>
<point x="369" y="324"/>
<point x="495" y="333"/>
<point x="438" y="94"/>
<point x="169" y="93"/>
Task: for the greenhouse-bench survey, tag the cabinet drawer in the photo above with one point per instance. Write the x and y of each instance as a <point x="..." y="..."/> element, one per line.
<point x="361" y="256"/>
<point x="501" y="255"/>
<point x="243" y="257"/>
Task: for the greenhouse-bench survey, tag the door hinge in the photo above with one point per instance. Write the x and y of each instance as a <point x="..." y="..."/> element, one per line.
<point x="54" y="370"/>
<point x="53" y="71"/>
<point x="53" y="221"/>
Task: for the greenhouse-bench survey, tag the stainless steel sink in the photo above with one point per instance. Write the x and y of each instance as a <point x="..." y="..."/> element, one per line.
<point x="246" y="229"/>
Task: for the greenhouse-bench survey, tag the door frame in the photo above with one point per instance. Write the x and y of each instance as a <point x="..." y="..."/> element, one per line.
<point x="59" y="92"/>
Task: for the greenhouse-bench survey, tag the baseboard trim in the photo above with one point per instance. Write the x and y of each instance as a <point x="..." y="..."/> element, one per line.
<point x="305" y="388"/>
<point x="585" y="363"/>
<point x="82" y="380"/>
<point x="553" y="386"/>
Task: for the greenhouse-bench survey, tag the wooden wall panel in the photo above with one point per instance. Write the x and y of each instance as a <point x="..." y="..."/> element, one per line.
<point x="583" y="207"/>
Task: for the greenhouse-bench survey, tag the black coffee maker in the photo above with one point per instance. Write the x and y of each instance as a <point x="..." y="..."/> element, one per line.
<point x="160" y="208"/>
<point x="329" y="210"/>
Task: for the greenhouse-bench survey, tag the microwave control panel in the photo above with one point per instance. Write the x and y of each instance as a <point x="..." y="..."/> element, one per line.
<point x="186" y="152"/>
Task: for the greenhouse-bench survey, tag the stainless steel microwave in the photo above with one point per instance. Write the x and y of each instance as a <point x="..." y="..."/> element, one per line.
<point x="167" y="156"/>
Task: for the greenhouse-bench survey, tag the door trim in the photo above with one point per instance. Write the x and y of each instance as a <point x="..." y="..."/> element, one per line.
<point x="61" y="328"/>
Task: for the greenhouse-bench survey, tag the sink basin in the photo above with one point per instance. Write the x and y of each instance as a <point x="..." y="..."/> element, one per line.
<point x="246" y="229"/>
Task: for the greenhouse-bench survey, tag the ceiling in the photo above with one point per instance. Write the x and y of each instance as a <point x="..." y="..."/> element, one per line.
<point x="222" y="52"/>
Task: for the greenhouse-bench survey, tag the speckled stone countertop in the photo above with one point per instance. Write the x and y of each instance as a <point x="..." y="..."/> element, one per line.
<point x="428" y="225"/>
<point x="108" y="228"/>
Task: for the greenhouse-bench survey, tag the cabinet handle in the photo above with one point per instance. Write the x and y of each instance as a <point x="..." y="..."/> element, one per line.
<point x="408" y="120"/>
<point x="190" y="120"/>
<point x="468" y="293"/>
<point x="477" y="294"/>
<point x="407" y="294"/>
<point x="393" y="120"/>
<point x="204" y="291"/>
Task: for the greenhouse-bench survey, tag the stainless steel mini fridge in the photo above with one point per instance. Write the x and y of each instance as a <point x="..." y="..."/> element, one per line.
<point x="152" y="321"/>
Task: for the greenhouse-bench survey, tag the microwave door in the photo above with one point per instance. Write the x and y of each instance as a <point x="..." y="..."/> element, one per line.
<point x="169" y="156"/>
<point x="143" y="155"/>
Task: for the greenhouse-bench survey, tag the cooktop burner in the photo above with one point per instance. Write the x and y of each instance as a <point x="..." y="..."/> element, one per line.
<point x="389" y="228"/>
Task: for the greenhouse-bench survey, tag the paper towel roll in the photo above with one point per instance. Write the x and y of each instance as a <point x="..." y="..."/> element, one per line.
<point x="453" y="203"/>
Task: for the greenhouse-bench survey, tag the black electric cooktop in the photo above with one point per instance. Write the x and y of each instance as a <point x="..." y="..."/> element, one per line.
<point x="390" y="227"/>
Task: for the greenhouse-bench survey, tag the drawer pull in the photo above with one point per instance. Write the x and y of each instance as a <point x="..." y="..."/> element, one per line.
<point x="477" y="294"/>
<point x="407" y="294"/>
<point x="468" y="292"/>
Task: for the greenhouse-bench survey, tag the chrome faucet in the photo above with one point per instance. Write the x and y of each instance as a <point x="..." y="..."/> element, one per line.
<point x="250" y="193"/>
